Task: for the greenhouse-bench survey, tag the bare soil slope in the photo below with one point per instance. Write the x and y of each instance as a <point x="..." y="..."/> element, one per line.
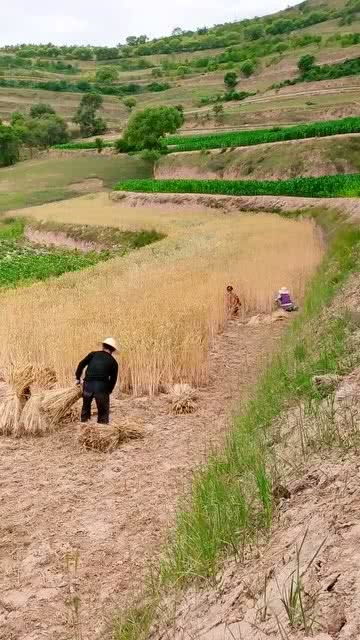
<point x="312" y="157"/>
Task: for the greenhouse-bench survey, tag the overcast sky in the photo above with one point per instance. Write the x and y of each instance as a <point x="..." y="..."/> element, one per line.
<point x="108" y="22"/>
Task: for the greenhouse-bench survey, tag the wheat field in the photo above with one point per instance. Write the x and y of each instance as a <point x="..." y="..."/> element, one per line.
<point x="165" y="302"/>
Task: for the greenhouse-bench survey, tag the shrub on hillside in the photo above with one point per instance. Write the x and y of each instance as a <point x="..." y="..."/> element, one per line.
<point x="9" y="146"/>
<point x="306" y="63"/>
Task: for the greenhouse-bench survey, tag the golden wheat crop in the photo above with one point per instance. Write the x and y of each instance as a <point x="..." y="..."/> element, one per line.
<point x="165" y="302"/>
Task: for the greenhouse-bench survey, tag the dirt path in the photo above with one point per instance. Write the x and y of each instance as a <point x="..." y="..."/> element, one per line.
<point x="61" y="506"/>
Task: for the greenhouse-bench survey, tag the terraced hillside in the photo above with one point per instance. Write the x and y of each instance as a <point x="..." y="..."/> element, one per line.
<point x="188" y="68"/>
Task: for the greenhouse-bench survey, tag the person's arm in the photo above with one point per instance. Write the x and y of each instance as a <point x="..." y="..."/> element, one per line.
<point x="113" y="376"/>
<point x="81" y="366"/>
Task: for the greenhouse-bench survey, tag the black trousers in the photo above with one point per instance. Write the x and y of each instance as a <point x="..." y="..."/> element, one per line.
<point x="96" y="390"/>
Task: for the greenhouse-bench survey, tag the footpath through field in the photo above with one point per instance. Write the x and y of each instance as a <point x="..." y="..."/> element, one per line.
<point x="88" y="524"/>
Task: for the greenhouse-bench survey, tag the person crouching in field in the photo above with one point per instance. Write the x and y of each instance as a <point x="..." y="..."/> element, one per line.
<point x="100" y="380"/>
<point x="232" y="301"/>
<point x="284" y="300"/>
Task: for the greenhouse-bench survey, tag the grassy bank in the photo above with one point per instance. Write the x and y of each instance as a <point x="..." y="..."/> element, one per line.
<point x="231" y="501"/>
<point x="322" y="187"/>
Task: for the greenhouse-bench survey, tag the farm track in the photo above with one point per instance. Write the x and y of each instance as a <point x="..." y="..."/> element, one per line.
<point x="110" y="511"/>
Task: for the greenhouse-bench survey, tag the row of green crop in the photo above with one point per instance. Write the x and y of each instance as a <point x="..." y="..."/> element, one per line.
<point x="260" y="136"/>
<point x="323" y="187"/>
<point x="78" y="146"/>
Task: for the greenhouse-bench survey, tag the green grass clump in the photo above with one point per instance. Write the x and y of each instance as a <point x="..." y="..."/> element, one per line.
<point x="261" y="136"/>
<point x="322" y="187"/>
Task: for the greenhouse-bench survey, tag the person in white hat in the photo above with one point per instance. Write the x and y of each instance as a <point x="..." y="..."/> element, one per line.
<point x="100" y="380"/>
<point x="284" y="300"/>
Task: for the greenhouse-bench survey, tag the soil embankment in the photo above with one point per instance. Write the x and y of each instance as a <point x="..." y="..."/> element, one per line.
<point x="276" y="161"/>
<point x="275" y="204"/>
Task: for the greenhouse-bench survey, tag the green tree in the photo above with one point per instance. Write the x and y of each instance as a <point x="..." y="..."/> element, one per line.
<point x="182" y="70"/>
<point x="45" y="132"/>
<point x="17" y="119"/>
<point x="82" y="53"/>
<point x="254" y="32"/>
<point x="86" y="115"/>
<point x="130" y="103"/>
<point x="230" y="80"/>
<point x="92" y="101"/>
<point x="107" y="75"/>
<point x="9" y="146"/>
<point x="146" y="129"/>
<point x="41" y="109"/>
<point x="218" y="111"/>
<point x="306" y="63"/>
<point x="247" y="68"/>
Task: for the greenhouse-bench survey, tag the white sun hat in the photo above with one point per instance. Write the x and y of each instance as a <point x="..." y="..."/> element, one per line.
<point x="110" y="342"/>
<point x="283" y="290"/>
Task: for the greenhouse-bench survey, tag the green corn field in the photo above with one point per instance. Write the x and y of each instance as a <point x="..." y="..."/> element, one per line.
<point x="261" y="136"/>
<point x="323" y="187"/>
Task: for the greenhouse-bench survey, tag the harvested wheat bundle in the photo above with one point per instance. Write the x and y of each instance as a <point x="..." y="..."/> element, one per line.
<point x="20" y="379"/>
<point x="33" y="420"/>
<point x="183" y="399"/>
<point x="107" y="438"/>
<point x="57" y="403"/>
<point x="44" y="377"/>
<point x="10" y="410"/>
<point x="184" y="404"/>
<point x="14" y="393"/>
<point x="72" y="415"/>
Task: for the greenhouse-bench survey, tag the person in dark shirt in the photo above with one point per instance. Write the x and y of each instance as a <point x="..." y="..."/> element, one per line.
<point x="100" y="380"/>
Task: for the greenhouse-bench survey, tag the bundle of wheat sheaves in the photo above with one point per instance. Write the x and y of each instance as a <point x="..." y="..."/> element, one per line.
<point x="29" y="405"/>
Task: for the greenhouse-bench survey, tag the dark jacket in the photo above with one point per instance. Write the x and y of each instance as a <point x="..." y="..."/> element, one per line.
<point x="101" y="367"/>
